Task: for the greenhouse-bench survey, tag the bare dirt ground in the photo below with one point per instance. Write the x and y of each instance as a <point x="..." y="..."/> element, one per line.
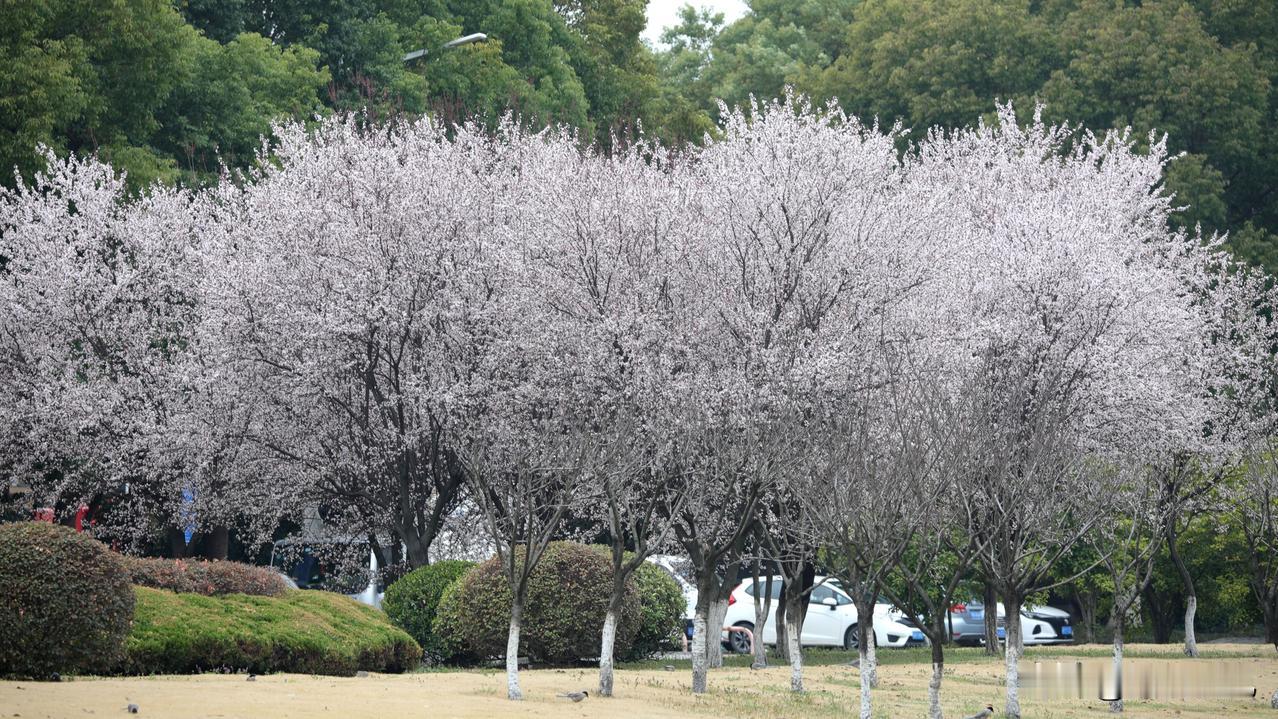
<point x="641" y="692"/>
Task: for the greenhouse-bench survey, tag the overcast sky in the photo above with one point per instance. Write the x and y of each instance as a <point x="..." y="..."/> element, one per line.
<point x="662" y="13"/>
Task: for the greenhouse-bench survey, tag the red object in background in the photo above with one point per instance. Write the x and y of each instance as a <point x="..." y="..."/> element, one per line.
<point x="47" y="514"/>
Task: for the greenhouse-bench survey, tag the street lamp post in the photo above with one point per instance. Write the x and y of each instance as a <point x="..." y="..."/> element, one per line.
<point x="463" y="40"/>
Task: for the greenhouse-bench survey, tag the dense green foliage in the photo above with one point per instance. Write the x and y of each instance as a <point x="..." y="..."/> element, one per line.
<point x="164" y="89"/>
<point x="563" y="614"/>
<point x="411" y="601"/>
<point x="207" y="578"/>
<point x="1203" y="71"/>
<point x="661" y="607"/>
<point x="65" y="601"/>
<point x="310" y="632"/>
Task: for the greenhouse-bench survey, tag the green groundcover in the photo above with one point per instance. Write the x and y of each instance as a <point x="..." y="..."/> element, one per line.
<point x="303" y="631"/>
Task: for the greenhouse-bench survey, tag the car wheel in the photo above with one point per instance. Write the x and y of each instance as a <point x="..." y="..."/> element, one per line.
<point x="739" y="642"/>
<point x="851" y="639"/>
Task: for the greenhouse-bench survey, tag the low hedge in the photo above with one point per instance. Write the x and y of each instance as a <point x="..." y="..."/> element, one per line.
<point x="65" y="601"/>
<point x="207" y="578"/>
<point x="563" y="614"/>
<point x="304" y="631"/>
<point x="411" y="602"/>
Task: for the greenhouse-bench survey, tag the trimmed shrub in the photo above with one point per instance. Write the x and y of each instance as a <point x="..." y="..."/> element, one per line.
<point x="65" y="601"/>
<point x="661" y="607"/>
<point x="411" y="602"/>
<point x="207" y="578"/>
<point x="567" y="600"/>
<point x="309" y="632"/>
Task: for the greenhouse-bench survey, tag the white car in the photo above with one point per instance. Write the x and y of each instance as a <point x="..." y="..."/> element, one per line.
<point x="1040" y="625"/>
<point x="831" y="620"/>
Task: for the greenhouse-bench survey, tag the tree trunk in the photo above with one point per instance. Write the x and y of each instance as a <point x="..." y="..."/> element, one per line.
<point x="934" y="685"/>
<point x="217" y="543"/>
<point x="991" y="619"/>
<point x="866" y="651"/>
<point x="1012" y="629"/>
<point x="177" y="543"/>
<point x="1191" y="596"/>
<point x="1116" y="704"/>
<point x="796" y="655"/>
<point x="512" y="650"/>
<point x="783" y="638"/>
<point x="700" y="630"/>
<point x="1087" y="612"/>
<point x="606" y="645"/>
<point x="1191" y="641"/>
<point x="762" y="607"/>
<point x="714" y="646"/>
<point x="865" y="640"/>
<point x="1269" y="610"/>
<point x="1159" y="617"/>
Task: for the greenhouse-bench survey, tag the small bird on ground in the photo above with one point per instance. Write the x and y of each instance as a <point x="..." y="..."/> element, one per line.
<point x="252" y="678"/>
<point x="985" y="713"/>
<point x="133" y="708"/>
<point x="575" y="696"/>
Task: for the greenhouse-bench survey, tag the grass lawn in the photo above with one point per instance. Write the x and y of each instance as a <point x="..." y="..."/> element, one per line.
<point x="645" y="689"/>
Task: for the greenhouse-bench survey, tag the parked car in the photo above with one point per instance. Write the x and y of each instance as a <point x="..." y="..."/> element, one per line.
<point x="1039" y="624"/>
<point x="831" y="619"/>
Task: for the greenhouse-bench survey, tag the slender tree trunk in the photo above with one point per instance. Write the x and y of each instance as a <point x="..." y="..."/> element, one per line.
<point x="1116" y="704"/>
<point x="714" y="647"/>
<point x="1191" y="640"/>
<point x="991" y="619"/>
<point x="872" y="655"/>
<point x="762" y="607"/>
<point x="217" y="543"/>
<point x="868" y="670"/>
<point x="796" y="656"/>
<point x="934" y="685"/>
<point x="512" y="650"/>
<point x="1191" y="596"/>
<point x="700" y="638"/>
<point x="1012" y="628"/>
<point x="1087" y="612"/>
<point x="783" y="637"/>
<point x="607" y="645"/>
<point x="177" y="543"/>
<point x="865" y="638"/>
<point x="1159" y="616"/>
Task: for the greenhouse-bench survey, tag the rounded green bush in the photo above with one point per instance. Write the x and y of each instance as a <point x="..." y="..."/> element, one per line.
<point x="65" y="601"/>
<point x="661" y="606"/>
<point x="411" y="601"/>
<point x="563" y="614"/>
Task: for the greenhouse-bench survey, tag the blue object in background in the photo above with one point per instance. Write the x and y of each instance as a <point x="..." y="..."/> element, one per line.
<point x="188" y="515"/>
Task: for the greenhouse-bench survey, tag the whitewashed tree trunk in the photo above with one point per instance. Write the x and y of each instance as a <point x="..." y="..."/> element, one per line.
<point x="606" y="648"/>
<point x="699" y="640"/>
<point x="512" y="652"/>
<point x="865" y="637"/>
<point x="871" y="665"/>
<point x="714" y="647"/>
<point x="1191" y="641"/>
<point x="1116" y="705"/>
<point x="796" y="655"/>
<point x="1012" y="628"/>
<point x="934" y="692"/>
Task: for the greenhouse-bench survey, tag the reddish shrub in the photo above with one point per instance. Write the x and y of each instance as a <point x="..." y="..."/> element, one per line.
<point x="208" y="578"/>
